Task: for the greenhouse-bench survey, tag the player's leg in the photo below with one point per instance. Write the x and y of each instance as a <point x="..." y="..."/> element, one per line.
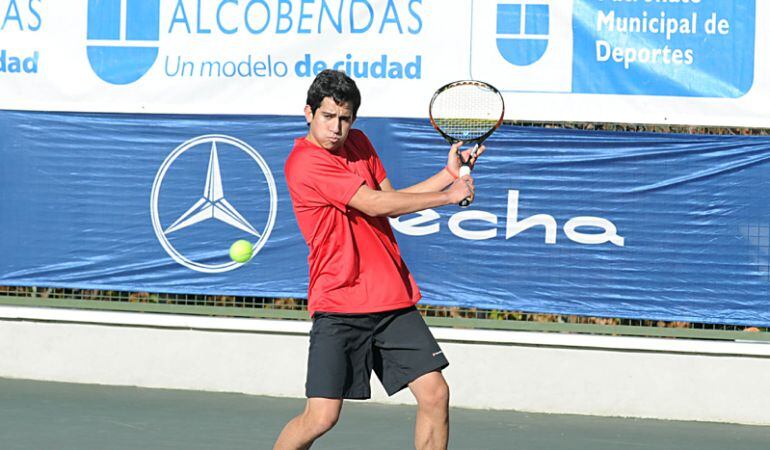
<point x="432" y="425"/>
<point x="339" y="366"/>
<point x="407" y="354"/>
<point x="319" y="416"/>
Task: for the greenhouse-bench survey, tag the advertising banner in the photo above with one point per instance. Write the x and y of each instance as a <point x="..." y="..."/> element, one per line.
<point x="669" y="227"/>
<point x="699" y="62"/>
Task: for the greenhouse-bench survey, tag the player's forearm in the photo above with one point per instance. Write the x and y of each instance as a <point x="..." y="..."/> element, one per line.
<point x="436" y="183"/>
<point x="397" y="203"/>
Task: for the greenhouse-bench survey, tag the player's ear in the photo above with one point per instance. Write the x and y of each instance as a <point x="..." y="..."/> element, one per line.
<point x="308" y="114"/>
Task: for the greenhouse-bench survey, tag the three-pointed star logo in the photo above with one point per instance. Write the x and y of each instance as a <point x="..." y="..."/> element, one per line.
<point x="213" y="204"/>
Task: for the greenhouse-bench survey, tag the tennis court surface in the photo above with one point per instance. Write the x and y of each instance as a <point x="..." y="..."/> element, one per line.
<point x="41" y="415"/>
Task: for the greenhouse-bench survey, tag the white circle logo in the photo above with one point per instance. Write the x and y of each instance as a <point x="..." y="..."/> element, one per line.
<point x="213" y="204"/>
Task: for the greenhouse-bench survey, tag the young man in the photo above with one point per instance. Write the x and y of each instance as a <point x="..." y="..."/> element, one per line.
<point x="361" y="294"/>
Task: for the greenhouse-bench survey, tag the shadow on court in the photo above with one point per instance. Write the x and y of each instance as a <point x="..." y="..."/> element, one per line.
<point x="39" y="415"/>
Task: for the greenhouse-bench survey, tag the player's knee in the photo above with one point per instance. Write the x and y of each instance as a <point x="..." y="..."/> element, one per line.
<point x="321" y="421"/>
<point x="436" y="396"/>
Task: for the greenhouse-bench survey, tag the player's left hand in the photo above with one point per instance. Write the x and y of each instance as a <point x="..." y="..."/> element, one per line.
<point x="453" y="160"/>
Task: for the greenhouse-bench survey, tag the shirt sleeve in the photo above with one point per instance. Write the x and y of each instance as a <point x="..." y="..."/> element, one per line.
<point x="317" y="180"/>
<point x="378" y="168"/>
<point x="375" y="163"/>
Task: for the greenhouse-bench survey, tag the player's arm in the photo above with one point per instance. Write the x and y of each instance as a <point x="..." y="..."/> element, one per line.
<point x="442" y="178"/>
<point x="392" y="203"/>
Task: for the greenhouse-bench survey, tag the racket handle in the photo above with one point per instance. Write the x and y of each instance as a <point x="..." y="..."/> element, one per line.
<point x="465" y="169"/>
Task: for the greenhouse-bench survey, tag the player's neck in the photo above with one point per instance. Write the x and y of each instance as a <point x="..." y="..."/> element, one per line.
<point x="312" y="140"/>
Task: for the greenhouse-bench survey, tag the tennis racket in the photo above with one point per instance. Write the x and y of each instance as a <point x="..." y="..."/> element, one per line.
<point x="468" y="111"/>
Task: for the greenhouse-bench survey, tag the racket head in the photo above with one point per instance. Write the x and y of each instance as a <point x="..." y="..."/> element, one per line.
<point x="466" y="110"/>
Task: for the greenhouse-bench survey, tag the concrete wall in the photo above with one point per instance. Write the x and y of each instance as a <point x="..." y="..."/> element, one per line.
<point x="536" y="372"/>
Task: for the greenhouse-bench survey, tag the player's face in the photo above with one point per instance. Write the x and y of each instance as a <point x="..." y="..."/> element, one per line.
<point x="330" y="125"/>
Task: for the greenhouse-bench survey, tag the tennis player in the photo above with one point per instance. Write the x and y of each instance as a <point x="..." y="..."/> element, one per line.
<point x="361" y="294"/>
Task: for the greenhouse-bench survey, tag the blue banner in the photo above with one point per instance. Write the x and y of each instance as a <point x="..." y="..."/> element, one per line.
<point x="698" y="49"/>
<point x="652" y="226"/>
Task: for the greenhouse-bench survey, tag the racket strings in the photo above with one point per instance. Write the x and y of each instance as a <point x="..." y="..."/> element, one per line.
<point x="466" y="112"/>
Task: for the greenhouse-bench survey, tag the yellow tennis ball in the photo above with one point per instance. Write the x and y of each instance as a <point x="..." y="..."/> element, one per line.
<point x="241" y="251"/>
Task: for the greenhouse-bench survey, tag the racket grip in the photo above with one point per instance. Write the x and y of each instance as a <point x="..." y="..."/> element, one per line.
<point x="465" y="170"/>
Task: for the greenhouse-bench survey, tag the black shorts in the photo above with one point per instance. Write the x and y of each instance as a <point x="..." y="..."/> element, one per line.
<point x="344" y="348"/>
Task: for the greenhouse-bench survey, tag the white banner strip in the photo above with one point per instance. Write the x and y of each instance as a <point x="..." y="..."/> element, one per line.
<point x="700" y="62"/>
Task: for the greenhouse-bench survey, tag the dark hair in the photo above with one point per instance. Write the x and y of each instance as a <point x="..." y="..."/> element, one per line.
<point x="336" y="85"/>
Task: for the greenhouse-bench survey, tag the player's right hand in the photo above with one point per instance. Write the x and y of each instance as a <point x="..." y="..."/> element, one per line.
<point x="461" y="189"/>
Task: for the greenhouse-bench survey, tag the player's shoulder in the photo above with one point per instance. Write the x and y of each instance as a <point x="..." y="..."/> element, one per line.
<point x="306" y="159"/>
<point x="302" y="151"/>
<point x="357" y="136"/>
<point x="359" y="142"/>
<point x="300" y="155"/>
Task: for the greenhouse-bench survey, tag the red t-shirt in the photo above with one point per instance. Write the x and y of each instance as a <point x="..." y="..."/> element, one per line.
<point x="355" y="263"/>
